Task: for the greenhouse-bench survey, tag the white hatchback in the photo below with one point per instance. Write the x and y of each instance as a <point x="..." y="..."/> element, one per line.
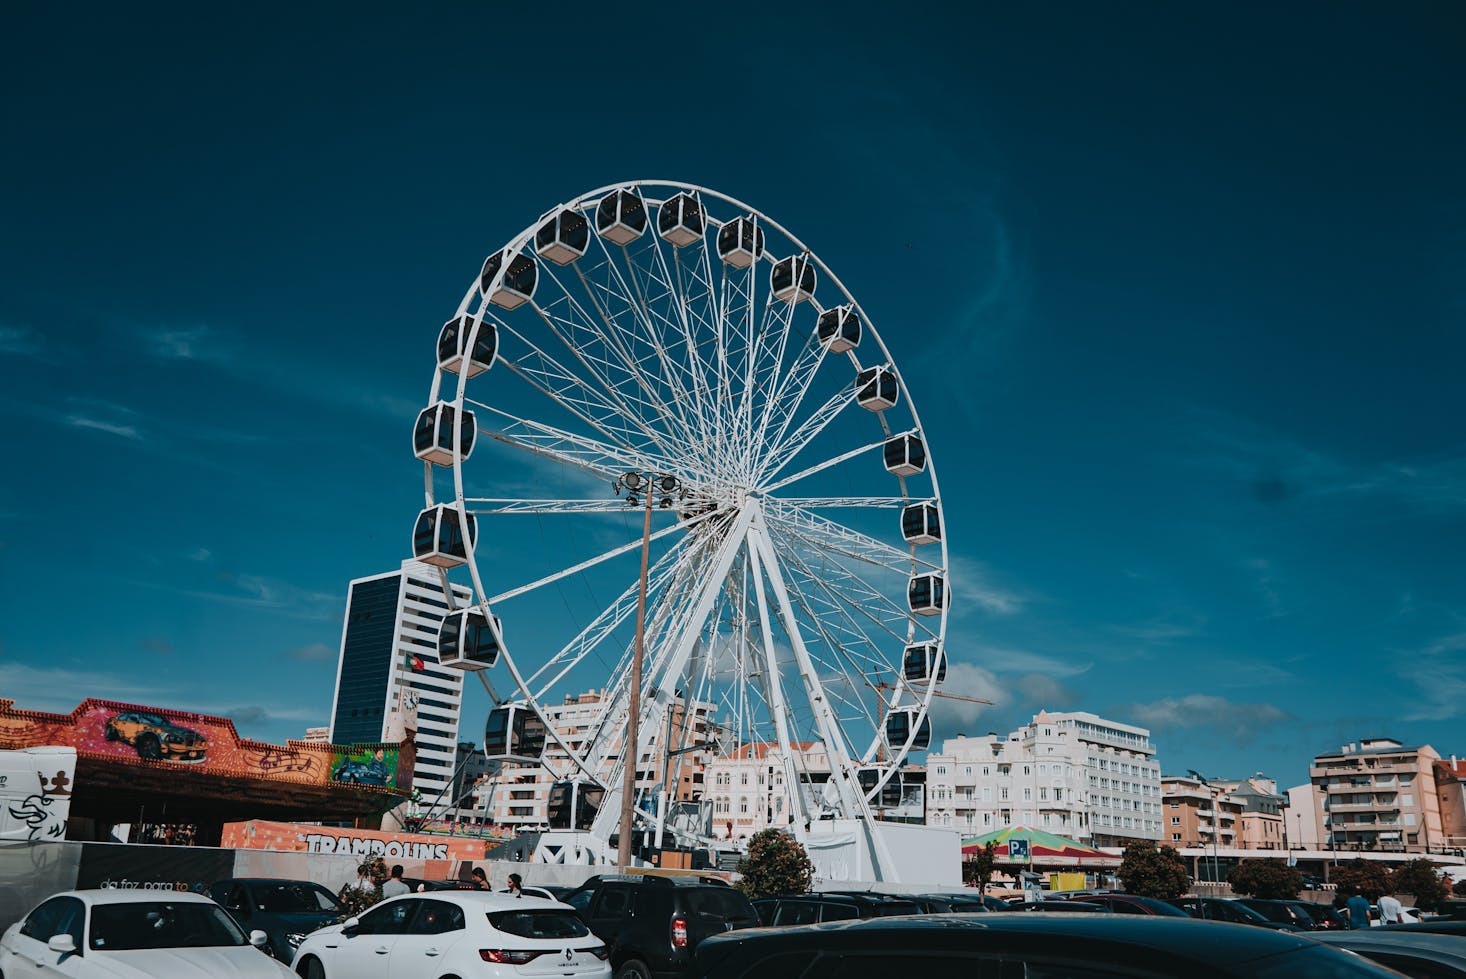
<point x="456" y="933"/>
<point x="132" y="934"/>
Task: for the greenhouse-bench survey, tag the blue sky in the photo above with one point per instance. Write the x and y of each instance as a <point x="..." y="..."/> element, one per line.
<point x="1180" y="297"/>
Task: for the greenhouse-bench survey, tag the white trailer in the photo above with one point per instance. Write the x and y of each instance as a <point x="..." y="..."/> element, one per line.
<point x="35" y="792"/>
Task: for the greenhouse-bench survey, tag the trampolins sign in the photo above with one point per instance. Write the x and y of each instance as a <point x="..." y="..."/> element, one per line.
<point x="358" y="846"/>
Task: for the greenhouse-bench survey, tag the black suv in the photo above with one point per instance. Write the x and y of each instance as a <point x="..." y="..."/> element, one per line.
<point x="653" y="923"/>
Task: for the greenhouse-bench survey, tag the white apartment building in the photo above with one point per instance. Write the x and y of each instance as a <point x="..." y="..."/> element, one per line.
<point x="747" y="787"/>
<point x="388" y="669"/>
<point x="518" y="796"/>
<point x="1076" y="774"/>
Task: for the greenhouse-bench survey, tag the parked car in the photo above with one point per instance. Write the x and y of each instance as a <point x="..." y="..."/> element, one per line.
<point x="1223" y="909"/>
<point x="285" y="910"/>
<point x="1325" y="917"/>
<point x="875" y="905"/>
<point x="133" y="934"/>
<point x="968" y="903"/>
<point x="1051" y="946"/>
<point x="458" y="933"/>
<point x="1281" y="912"/>
<point x="1066" y="906"/>
<point x="1133" y="904"/>
<point x="374" y="772"/>
<point x="653" y="923"/>
<point x="155" y="737"/>
<point x="437" y="884"/>
<point x="804" y="909"/>
<point x="1421" y="955"/>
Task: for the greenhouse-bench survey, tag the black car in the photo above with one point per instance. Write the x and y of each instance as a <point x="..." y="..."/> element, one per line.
<point x="653" y="923"/>
<point x="372" y="772"/>
<point x="1222" y="909"/>
<point x="804" y="909"/>
<point x="1065" y="906"/>
<point x="1281" y="912"/>
<point x="1133" y="904"/>
<point x="875" y="905"/>
<point x="285" y="910"/>
<point x="1325" y="917"/>
<point x="1025" y="946"/>
<point x="969" y="903"/>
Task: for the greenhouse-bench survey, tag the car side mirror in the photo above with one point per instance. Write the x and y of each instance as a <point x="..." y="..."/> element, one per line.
<point x="351" y="926"/>
<point x="64" y="944"/>
<point x="258" y="938"/>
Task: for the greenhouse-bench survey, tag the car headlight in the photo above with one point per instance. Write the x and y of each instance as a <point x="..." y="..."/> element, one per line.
<point x="294" y="938"/>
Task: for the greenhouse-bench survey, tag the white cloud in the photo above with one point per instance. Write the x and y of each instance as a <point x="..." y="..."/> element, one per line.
<point x="111" y="428"/>
<point x="19" y="341"/>
<point x="1208" y="711"/>
<point x="60" y="690"/>
<point x="973" y="587"/>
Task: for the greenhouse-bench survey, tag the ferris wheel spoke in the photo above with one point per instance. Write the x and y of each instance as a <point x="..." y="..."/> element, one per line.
<point x="575" y="569"/>
<point x="786" y="450"/>
<point x="837" y="538"/>
<point x="820" y="467"/>
<point x="788" y="396"/>
<point x="778" y="324"/>
<point x="483" y="506"/>
<point x="782" y="503"/>
<point x="590" y="455"/>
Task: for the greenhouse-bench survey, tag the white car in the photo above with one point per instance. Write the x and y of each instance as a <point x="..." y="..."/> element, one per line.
<point x="456" y="933"/>
<point x="133" y="934"/>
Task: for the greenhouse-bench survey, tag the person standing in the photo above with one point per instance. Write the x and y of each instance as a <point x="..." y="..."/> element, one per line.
<point x="1389" y="910"/>
<point x="1358" y="908"/>
<point x="395" y="885"/>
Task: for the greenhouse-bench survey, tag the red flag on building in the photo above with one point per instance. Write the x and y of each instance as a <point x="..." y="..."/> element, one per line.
<point x="417" y="663"/>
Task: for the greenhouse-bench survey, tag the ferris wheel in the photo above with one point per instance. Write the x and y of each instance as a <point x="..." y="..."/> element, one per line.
<point x="655" y="385"/>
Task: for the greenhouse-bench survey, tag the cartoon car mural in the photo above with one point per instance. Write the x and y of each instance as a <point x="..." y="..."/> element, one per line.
<point x="155" y="737"/>
<point x="374" y="772"/>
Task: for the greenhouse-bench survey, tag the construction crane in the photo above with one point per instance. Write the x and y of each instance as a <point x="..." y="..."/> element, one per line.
<point x="936" y="693"/>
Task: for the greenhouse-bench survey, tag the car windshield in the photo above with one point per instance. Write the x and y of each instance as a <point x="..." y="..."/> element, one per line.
<point x="295" y="898"/>
<point x="162" y="924"/>
<point x="539" y="923"/>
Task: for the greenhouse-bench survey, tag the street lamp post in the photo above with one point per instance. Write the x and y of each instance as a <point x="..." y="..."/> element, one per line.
<point x="647" y="484"/>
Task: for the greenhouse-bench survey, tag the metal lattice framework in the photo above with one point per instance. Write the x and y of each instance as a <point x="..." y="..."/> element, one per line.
<point x="782" y="590"/>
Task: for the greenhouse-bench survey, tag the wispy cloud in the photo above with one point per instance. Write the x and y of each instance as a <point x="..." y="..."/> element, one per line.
<point x="1162" y="630"/>
<point x="111" y="428"/>
<point x="61" y="689"/>
<point x="192" y="343"/>
<point x="1240" y="722"/>
<point x="158" y="644"/>
<point x="261" y="592"/>
<point x="974" y="587"/>
<point x="19" y="341"/>
<point x="1278" y="470"/>
<point x="315" y="652"/>
<point x="1438" y="672"/>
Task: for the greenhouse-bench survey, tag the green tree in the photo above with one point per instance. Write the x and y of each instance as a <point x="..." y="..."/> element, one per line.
<point x="1420" y="878"/>
<point x="776" y="864"/>
<point x="978" y="868"/>
<point x="1271" y="878"/>
<point x="1152" y="872"/>
<point x="1369" y="877"/>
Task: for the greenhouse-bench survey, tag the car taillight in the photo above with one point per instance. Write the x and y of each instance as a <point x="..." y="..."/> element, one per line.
<point x="600" y="951"/>
<point x="679" y="932"/>
<point x="507" y="956"/>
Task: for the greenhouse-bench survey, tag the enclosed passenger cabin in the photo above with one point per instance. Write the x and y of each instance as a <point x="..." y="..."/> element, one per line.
<point x="876" y="388"/>
<point x="904" y="723"/>
<point x="515" y="733"/>
<point x="563" y="237"/>
<point x="838" y="329"/>
<point x="573" y="804"/>
<point x="892" y="793"/>
<point x="453" y="352"/>
<point x="924" y="663"/>
<point x="621" y="217"/>
<point x="517" y="286"/>
<point x="793" y="279"/>
<point x="868" y="778"/>
<point x="740" y="242"/>
<point x="438" y="537"/>
<point x="905" y="454"/>
<point x="921" y="523"/>
<point x="466" y="642"/>
<point x="927" y="594"/>
<point x="681" y="220"/>
<point x="433" y="438"/>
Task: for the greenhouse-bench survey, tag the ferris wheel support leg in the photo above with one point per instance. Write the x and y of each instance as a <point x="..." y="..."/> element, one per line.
<point x="851" y="798"/>
<point x="670" y="668"/>
<point x="775" y="695"/>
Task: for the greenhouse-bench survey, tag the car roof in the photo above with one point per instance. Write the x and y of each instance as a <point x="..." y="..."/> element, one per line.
<point x="133" y="895"/>
<point x="482" y="900"/>
<point x="1438" y="948"/>
<point x="677" y="881"/>
<point x="1214" y="942"/>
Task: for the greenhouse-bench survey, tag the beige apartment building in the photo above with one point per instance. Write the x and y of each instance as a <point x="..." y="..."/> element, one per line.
<point x="1245" y="814"/>
<point x="518" y="796"/>
<point x="1450" y="790"/>
<point x="1377" y="794"/>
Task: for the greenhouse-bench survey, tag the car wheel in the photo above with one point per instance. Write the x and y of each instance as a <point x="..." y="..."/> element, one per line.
<point x="311" y="969"/>
<point x="149" y="747"/>
<point x="633" y="969"/>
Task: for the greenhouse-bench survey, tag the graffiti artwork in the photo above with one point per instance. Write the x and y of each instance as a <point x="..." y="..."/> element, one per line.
<point x="35" y="786"/>
<point x="375" y="766"/>
<point x="172" y="739"/>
